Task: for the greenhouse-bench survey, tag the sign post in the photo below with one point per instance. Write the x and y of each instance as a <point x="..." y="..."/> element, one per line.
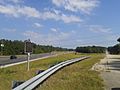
<point x="28" y="50"/>
<point x="28" y="63"/>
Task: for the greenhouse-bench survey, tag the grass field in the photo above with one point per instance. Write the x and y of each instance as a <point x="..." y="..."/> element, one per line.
<point x="76" y="77"/>
<point x="19" y="72"/>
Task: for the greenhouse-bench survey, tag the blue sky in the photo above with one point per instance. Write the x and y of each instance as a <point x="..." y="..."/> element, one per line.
<point x="64" y="23"/>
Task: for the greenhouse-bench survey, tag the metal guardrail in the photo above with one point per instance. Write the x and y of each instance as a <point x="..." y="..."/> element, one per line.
<point x="35" y="81"/>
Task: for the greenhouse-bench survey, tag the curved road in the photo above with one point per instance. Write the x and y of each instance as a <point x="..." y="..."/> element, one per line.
<point x="4" y="60"/>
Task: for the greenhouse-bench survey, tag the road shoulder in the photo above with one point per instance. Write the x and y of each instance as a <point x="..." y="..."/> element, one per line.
<point x="109" y="69"/>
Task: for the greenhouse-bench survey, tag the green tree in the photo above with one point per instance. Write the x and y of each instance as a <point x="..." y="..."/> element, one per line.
<point x="118" y="39"/>
<point x="91" y="49"/>
<point x="17" y="47"/>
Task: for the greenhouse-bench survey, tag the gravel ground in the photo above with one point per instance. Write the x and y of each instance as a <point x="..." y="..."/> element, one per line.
<point x="111" y="80"/>
<point x="110" y="71"/>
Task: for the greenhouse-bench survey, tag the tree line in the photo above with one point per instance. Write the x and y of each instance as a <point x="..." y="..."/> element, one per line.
<point x="115" y="49"/>
<point x="16" y="47"/>
<point x="91" y="49"/>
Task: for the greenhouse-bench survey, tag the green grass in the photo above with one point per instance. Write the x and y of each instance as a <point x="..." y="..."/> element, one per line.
<point x="77" y="76"/>
<point x="19" y="72"/>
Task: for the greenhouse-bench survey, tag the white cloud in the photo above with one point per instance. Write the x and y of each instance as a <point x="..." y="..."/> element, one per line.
<point x="62" y="17"/>
<point x="38" y="25"/>
<point x="73" y="31"/>
<point x="69" y="19"/>
<point x="29" y="12"/>
<point x="15" y="1"/>
<point x="31" y="34"/>
<point x="85" y="6"/>
<point x="54" y="29"/>
<point x="79" y="40"/>
<point x="99" y="29"/>
<point x="58" y="2"/>
<point x="112" y="38"/>
<point x="49" y="39"/>
<point x="8" y="10"/>
<point x="57" y="11"/>
<point x="17" y="11"/>
<point x="11" y="30"/>
<point x="11" y="1"/>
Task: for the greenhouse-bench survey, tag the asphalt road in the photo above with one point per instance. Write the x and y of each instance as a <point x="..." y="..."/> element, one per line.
<point x="4" y="60"/>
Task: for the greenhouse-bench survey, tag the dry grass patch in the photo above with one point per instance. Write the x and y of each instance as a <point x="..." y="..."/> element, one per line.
<point x="76" y="77"/>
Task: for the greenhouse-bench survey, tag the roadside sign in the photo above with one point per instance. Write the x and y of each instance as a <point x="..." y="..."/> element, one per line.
<point x="28" y="46"/>
<point x="28" y="49"/>
<point x="2" y="45"/>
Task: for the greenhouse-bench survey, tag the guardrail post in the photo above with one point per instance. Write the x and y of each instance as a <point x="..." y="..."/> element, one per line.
<point x="16" y="83"/>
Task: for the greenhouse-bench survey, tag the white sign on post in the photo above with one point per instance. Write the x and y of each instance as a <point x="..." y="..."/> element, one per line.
<point x="28" y="46"/>
<point x="2" y="45"/>
<point x="28" y="49"/>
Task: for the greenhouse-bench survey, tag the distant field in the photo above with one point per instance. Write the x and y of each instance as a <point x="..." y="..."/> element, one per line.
<point x="76" y="77"/>
<point x="19" y="72"/>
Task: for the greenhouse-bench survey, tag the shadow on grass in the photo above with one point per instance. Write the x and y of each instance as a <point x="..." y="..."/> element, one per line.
<point x="115" y="89"/>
